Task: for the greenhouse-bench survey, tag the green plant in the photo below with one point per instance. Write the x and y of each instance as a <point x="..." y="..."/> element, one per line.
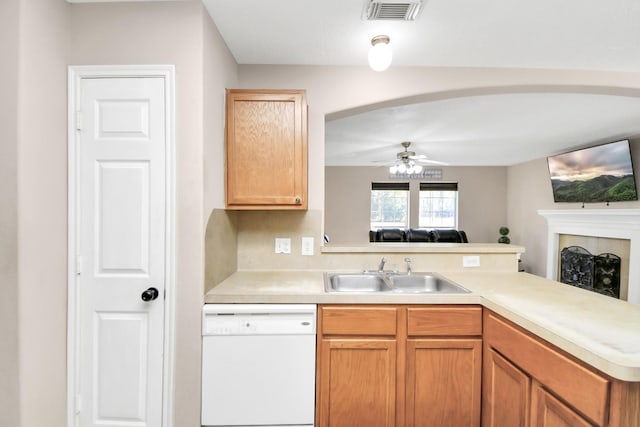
<point x="503" y="235"/>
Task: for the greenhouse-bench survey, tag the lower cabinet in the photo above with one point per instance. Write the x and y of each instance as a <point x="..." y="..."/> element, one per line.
<point x="548" y="411"/>
<point x="443" y="382"/>
<point x="358" y="382"/>
<point x="528" y="382"/>
<point x="455" y="366"/>
<point x="399" y="366"/>
<point x="507" y="393"/>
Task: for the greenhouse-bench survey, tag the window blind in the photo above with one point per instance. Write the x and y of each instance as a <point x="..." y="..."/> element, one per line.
<point x="390" y="186"/>
<point x="438" y="186"/>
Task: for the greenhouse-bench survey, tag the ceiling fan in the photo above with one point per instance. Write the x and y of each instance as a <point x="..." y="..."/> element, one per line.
<point x="409" y="162"/>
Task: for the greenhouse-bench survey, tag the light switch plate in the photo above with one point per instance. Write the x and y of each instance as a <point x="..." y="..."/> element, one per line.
<point x="307" y="246"/>
<point x="283" y="245"/>
<point x="471" y="261"/>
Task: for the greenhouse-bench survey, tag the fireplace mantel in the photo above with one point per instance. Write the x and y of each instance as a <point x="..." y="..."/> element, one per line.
<point x="611" y="223"/>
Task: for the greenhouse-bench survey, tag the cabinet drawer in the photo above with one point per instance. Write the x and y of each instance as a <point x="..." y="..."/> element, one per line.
<point x="444" y="321"/>
<point x="580" y="386"/>
<point x="337" y="320"/>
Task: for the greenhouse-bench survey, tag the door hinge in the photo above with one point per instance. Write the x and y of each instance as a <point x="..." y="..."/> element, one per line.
<point x="78" y="265"/>
<point x="78" y="404"/>
<point x="78" y="120"/>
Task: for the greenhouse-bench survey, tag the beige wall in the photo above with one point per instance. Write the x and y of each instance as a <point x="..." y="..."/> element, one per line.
<point x="528" y="190"/>
<point x="481" y="201"/>
<point x="220" y="72"/>
<point x="346" y="90"/>
<point x="40" y="39"/>
<point x="9" y="354"/>
<point x="332" y="90"/>
<point x="42" y="209"/>
<point x="177" y="33"/>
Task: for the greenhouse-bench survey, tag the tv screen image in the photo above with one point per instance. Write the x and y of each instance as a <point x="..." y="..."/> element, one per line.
<point x="603" y="173"/>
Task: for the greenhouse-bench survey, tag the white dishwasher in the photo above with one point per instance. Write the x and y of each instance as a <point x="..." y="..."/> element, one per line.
<point x="258" y="365"/>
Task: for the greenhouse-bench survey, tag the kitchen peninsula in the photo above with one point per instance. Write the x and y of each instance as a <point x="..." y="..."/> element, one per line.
<point x="570" y="329"/>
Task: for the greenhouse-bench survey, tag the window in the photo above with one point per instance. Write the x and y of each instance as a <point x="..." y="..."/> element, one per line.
<point x="438" y="205"/>
<point x="389" y="205"/>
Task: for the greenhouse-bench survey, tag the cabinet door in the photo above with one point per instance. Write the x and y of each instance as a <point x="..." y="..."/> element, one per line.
<point x="506" y="393"/>
<point x="443" y="382"/>
<point x="357" y="383"/>
<point x="266" y="149"/>
<point x="574" y="382"/>
<point x="547" y="411"/>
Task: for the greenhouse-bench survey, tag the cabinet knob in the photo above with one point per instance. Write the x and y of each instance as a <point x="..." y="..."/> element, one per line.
<point x="298" y="200"/>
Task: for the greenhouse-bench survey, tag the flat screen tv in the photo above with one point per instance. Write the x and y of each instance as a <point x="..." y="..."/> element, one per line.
<point x="599" y="174"/>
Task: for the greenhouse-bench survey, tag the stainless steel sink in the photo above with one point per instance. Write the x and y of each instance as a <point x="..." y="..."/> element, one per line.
<point x="419" y="283"/>
<point x="358" y="282"/>
<point x="424" y="283"/>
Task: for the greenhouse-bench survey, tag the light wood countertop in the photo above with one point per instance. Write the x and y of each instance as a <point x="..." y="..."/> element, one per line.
<point x="601" y="331"/>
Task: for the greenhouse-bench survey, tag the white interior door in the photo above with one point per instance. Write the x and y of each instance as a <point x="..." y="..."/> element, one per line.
<point x="122" y="244"/>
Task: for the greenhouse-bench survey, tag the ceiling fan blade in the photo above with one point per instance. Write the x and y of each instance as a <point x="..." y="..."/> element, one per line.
<point x="432" y="162"/>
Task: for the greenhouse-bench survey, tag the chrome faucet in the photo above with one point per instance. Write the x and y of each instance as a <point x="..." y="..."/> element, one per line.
<point x="408" y="261"/>
<point x="381" y="265"/>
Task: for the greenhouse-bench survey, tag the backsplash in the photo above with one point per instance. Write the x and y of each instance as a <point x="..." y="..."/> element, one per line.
<point x="221" y="248"/>
<point x="257" y="231"/>
<point x="245" y="241"/>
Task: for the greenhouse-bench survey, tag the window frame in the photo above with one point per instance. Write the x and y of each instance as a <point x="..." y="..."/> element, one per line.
<point x="390" y="186"/>
<point x="439" y="187"/>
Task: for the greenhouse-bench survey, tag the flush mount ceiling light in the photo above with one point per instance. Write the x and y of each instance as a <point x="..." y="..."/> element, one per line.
<point x="380" y="53"/>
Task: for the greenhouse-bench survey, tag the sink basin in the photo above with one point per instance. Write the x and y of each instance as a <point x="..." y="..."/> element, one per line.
<point x="358" y="282"/>
<point x="424" y="283"/>
<point x="419" y="283"/>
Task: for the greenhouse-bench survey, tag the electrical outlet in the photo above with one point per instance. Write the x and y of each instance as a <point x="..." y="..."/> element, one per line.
<point x="283" y="245"/>
<point x="307" y="246"/>
<point x="471" y="261"/>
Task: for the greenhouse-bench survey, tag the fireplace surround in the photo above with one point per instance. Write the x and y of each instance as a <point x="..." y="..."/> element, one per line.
<point x="607" y="223"/>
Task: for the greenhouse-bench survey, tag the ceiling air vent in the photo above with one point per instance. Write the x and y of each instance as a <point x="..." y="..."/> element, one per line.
<point x="391" y="10"/>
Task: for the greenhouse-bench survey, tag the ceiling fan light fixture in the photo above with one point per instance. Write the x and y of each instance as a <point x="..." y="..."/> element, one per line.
<point x="393" y="169"/>
<point x="380" y="54"/>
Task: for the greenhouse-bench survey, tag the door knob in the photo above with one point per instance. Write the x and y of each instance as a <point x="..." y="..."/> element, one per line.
<point x="150" y="294"/>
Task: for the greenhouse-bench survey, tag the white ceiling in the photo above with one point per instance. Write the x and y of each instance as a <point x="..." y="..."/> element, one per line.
<point x="487" y="130"/>
<point x="482" y="130"/>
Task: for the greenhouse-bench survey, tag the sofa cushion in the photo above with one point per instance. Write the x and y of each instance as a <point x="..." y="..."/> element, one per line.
<point x="449" y="236"/>
<point x="391" y="235"/>
<point x="419" y="235"/>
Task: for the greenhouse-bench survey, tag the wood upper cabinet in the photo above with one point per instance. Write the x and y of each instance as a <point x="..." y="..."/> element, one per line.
<point x="266" y="149"/>
<point x="399" y="366"/>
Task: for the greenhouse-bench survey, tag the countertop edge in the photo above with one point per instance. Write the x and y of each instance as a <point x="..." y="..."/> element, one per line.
<point x="613" y="369"/>
<point x="403" y="247"/>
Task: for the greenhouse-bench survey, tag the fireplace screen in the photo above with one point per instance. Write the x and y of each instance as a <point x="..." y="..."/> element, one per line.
<point x="597" y="273"/>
